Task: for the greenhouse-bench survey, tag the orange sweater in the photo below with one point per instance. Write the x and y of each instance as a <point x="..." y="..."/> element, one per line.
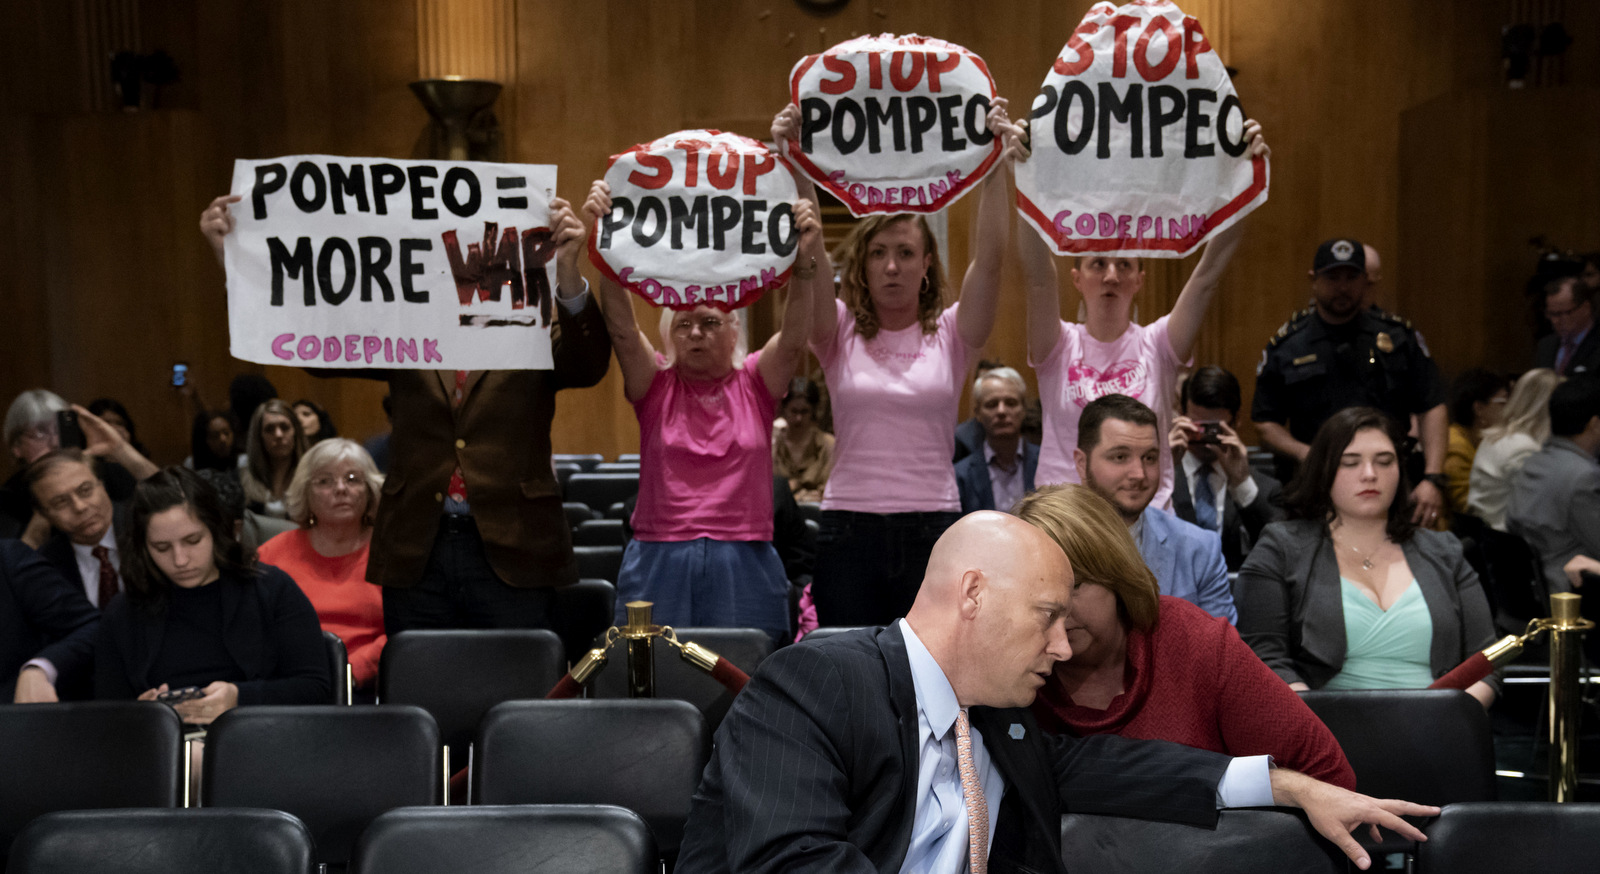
<point x="346" y="603"/>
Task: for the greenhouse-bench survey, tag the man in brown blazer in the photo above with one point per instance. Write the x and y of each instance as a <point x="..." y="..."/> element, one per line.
<point x="484" y="550"/>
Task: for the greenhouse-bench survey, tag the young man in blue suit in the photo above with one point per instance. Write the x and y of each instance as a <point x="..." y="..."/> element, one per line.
<point x="1000" y="471"/>
<point x="1119" y="455"/>
<point x="910" y="748"/>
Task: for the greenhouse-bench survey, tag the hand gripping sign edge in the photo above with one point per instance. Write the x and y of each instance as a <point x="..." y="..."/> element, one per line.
<point x="637" y="287"/>
<point x="841" y="192"/>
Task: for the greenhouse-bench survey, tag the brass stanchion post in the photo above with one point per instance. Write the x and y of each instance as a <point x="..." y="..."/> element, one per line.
<point x="640" y="635"/>
<point x="1566" y="651"/>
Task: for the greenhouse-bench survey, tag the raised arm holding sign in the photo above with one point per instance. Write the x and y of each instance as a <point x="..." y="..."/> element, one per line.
<point x="1110" y="205"/>
<point x="470" y="531"/>
<point x="701" y="549"/>
<point x="896" y="360"/>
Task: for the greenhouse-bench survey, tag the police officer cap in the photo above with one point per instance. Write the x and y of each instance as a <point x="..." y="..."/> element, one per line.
<point x="1341" y="252"/>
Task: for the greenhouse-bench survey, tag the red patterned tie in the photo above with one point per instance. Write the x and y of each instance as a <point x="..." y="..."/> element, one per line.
<point x="108" y="575"/>
<point x="458" y="484"/>
<point x="977" y="807"/>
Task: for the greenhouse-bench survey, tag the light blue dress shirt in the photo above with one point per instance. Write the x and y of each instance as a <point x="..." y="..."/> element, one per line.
<point x="939" y="827"/>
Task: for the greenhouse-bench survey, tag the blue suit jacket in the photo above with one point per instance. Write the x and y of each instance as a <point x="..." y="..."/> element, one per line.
<point x="1187" y="561"/>
<point x="972" y="478"/>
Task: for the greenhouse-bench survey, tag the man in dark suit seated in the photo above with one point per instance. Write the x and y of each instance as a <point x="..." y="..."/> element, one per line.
<point x="1572" y="347"/>
<point x="47" y="629"/>
<point x="1000" y="471"/>
<point x="858" y="753"/>
<point x="69" y="493"/>
<point x="1215" y="487"/>
<point x="969" y="434"/>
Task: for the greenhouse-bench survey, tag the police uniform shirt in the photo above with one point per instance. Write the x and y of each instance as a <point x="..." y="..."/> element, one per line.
<point x="1312" y="369"/>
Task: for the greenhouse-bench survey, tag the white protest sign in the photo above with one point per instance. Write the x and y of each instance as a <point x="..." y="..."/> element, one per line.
<point x="373" y="262"/>
<point x="698" y="217"/>
<point x="892" y="124"/>
<point x="1138" y="139"/>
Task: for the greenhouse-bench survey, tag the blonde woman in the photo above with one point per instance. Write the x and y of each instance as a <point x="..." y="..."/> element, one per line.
<point x="273" y="449"/>
<point x="1523" y="428"/>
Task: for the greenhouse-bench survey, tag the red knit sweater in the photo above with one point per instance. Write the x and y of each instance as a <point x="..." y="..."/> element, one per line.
<point x="346" y="603"/>
<point x="1192" y="680"/>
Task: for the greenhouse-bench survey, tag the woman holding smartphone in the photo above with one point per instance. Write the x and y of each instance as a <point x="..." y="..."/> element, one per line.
<point x="199" y="612"/>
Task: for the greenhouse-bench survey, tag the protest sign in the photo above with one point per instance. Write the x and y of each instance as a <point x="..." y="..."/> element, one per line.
<point x="372" y="262"/>
<point x="1138" y="139"/>
<point x="698" y="217"/>
<point x="892" y="124"/>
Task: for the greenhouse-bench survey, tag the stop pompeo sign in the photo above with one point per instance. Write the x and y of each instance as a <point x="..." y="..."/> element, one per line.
<point x="1138" y="139"/>
<point x="892" y="124"/>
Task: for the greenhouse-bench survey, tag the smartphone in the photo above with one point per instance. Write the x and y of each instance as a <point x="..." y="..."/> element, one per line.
<point x="187" y="693"/>
<point x="69" y="429"/>
<point x="1210" y="432"/>
<point x="180" y="374"/>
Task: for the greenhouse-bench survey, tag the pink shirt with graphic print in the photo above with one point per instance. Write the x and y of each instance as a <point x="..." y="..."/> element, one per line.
<point x="1139" y="364"/>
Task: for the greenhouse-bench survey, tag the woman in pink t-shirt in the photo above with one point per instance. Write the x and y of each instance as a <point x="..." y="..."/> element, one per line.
<point x="702" y="528"/>
<point x="1107" y="353"/>
<point x="896" y="360"/>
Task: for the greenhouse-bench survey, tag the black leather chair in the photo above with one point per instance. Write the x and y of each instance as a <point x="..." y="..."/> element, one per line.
<point x="676" y="678"/>
<point x="577" y="514"/>
<point x="642" y="754"/>
<point x="88" y="754"/>
<point x="336" y="768"/>
<point x="598" y="562"/>
<point x="458" y="675"/>
<point x="511" y="839"/>
<point x="583" y="611"/>
<point x="601" y="490"/>
<point x="827" y="631"/>
<point x="1266" y="841"/>
<point x="586" y="461"/>
<point x="163" y="841"/>
<point x="618" y="467"/>
<point x="1431" y="746"/>
<point x="812" y="511"/>
<point x="1537" y="836"/>
<point x="339" y="659"/>
<point x="599" y="532"/>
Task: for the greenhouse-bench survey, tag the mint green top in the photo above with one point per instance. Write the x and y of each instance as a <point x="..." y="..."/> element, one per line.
<point x="1385" y="649"/>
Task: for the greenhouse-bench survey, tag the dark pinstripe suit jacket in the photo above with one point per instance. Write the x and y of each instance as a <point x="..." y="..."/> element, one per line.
<point x="815" y="769"/>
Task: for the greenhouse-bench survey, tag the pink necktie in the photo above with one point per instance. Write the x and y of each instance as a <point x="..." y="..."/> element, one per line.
<point x="977" y="807"/>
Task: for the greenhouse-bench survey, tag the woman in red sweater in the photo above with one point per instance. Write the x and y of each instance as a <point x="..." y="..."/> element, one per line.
<point x="334" y="497"/>
<point x="1149" y="666"/>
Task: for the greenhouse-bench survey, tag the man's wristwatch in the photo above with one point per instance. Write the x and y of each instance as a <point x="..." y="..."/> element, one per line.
<point x="1439" y="480"/>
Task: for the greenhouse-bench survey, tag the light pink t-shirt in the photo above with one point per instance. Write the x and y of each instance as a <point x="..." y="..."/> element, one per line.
<point x="705" y="457"/>
<point x="1139" y="364"/>
<point x="894" y="416"/>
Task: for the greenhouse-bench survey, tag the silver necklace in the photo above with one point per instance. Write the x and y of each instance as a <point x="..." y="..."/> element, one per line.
<point x="1366" y="562"/>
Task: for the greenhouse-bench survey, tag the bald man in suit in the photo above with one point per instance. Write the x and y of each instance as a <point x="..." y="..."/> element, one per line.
<point x="843" y="755"/>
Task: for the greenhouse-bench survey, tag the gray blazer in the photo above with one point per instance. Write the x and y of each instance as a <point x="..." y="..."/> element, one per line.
<point x="1292" y="614"/>
<point x="1555" y="507"/>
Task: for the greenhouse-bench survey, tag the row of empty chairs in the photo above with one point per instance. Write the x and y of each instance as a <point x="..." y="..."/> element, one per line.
<point x="597" y="839"/>
<point x="553" y="839"/>
<point x="336" y="769"/>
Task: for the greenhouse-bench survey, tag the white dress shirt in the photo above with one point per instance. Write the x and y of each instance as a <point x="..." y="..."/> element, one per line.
<point x="939" y="826"/>
<point x="1244" y="494"/>
<point x="89" y="566"/>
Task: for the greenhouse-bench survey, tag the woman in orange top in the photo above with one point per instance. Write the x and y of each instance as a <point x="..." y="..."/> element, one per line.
<point x="334" y="497"/>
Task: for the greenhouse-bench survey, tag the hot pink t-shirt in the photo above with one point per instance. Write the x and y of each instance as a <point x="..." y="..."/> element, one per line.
<point x="1139" y="364"/>
<point x="705" y="457"/>
<point x="894" y="400"/>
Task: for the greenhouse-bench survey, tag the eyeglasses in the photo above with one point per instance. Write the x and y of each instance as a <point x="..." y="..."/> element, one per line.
<point x="707" y="325"/>
<point x="329" y="483"/>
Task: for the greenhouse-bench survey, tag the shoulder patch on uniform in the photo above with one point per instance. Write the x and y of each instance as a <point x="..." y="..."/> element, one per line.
<point x="1290" y="326"/>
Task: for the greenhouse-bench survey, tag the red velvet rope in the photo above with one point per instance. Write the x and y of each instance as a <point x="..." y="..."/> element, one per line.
<point x="1476" y="667"/>
<point x="729" y="675"/>
<point x="566" y="688"/>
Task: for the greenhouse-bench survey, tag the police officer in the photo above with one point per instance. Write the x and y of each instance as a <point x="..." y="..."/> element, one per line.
<point x="1340" y="353"/>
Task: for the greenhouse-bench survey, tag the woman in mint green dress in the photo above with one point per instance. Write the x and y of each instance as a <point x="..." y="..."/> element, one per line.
<point x="1348" y="594"/>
